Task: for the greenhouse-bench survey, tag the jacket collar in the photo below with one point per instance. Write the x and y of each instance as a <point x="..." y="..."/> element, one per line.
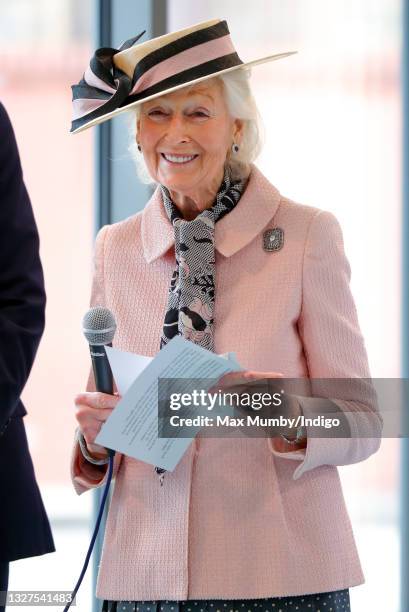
<point x="254" y="210"/>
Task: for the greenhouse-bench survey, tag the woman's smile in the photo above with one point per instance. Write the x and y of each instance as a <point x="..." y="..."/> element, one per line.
<point x="178" y="159"/>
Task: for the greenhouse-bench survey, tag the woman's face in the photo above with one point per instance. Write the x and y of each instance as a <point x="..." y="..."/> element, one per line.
<point x="185" y="137"/>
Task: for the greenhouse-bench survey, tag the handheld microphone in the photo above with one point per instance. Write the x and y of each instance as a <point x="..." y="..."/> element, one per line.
<point x="98" y="326"/>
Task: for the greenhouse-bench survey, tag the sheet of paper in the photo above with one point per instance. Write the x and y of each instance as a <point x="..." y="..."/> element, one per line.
<point x="127" y="366"/>
<point x="132" y="428"/>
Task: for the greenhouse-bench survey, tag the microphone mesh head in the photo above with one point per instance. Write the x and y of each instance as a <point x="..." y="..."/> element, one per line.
<point x="99" y="325"/>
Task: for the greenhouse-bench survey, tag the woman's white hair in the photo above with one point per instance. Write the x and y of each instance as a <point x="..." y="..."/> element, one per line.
<point x="241" y="105"/>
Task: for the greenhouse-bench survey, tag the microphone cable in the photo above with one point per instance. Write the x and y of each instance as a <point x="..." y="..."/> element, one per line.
<point x="96" y="529"/>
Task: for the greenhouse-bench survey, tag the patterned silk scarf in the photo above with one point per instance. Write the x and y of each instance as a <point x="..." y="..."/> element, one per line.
<point x="190" y="305"/>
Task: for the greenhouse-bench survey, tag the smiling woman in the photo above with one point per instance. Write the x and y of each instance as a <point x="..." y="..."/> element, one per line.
<point x="195" y="263"/>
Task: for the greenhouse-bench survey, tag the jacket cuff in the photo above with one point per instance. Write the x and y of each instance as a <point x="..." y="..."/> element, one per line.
<point x="334" y="450"/>
<point x="85" y="475"/>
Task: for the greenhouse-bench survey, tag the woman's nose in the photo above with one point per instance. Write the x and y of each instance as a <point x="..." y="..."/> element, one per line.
<point x="178" y="131"/>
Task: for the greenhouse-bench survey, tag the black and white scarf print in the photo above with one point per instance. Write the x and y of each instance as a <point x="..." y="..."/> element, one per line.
<point x="190" y="306"/>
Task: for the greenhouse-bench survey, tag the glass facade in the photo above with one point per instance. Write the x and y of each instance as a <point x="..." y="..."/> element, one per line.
<point x="333" y="123"/>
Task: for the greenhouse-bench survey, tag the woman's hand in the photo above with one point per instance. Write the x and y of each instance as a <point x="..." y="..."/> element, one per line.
<point x="241" y="379"/>
<point x="92" y="410"/>
<point x="247" y="382"/>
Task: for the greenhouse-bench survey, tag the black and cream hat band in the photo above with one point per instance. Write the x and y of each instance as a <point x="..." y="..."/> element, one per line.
<point x="118" y="79"/>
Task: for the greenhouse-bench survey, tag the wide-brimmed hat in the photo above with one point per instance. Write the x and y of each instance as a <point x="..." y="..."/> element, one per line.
<point x="119" y="79"/>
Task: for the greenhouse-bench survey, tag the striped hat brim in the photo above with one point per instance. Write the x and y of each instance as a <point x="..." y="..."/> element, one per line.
<point x="131" y="105"/>
<point x="117" y="80"/>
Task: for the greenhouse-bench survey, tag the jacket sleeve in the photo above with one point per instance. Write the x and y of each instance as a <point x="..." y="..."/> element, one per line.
<point x="86" y="475"/>
<point x="334" y="349"/>
<point x="22" y="294"/>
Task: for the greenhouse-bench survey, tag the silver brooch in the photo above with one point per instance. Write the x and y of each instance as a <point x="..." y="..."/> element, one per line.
<point x="273" y="239"/>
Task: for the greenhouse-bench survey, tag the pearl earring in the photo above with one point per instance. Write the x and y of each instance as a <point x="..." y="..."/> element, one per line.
<point x="235" y="148"/>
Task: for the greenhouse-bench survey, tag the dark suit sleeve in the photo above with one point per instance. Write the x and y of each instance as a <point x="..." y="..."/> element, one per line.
<point x="22" y="295"/>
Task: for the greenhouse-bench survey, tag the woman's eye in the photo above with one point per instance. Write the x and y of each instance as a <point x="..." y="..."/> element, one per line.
<point x="200" y="114"/>
<point x="156" y="112"/>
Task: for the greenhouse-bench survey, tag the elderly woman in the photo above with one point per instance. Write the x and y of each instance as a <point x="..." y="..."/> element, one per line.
<point x="221" y="258"/>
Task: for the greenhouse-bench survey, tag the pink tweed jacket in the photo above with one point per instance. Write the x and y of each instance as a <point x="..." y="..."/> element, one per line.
<point x="236" y="518"/>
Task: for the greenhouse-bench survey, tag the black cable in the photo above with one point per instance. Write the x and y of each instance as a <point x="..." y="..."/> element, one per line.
<point x="97" y="524"/>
